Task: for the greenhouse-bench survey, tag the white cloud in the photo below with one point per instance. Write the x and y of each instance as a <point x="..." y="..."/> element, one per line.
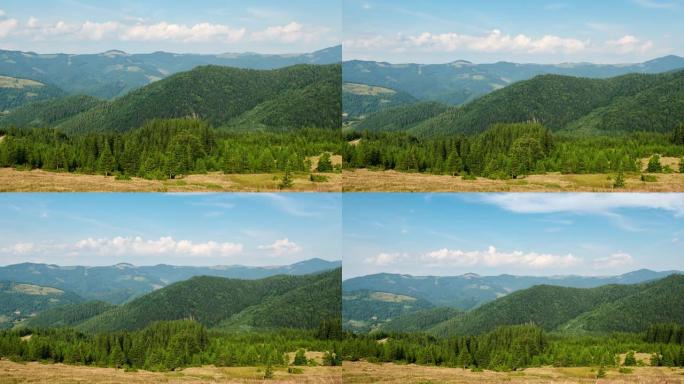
<point x="495" y="258"/>
<point x="288" y="33"/>
<point x="282" y="247"/>
<point x="180" y="32"/>
<point x="20" y="248"/>
<point x="131" y="246"/>
<point x="629" y="44"/>
<point x="384" y="259"/>
<point x="96" y="31"/>
<point x="585" y="202"/>
<point x="616" y="260"/>
<point x="7" y="26"/>
<point x="494" y="41"/>
<point x="32" y="22"/>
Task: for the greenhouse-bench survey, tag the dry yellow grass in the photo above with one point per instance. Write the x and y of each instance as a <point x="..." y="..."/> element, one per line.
<point x="364" y="180"/>
<point x="334" y="159"/>
<point x="12" y="180"/>
<point x="362" y="372"/>
<point x="11" y="372"/>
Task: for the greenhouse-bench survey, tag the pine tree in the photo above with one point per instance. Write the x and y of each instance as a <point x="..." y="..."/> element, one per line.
<point x="324" y="163"/>
<point x="619" y="180"/>
<point x="630" y="360"/>
<point x="654" y="164"/>
<point x="286" y="182"/>
<point x="106" y="162"/>
<point x="300" y="358"/>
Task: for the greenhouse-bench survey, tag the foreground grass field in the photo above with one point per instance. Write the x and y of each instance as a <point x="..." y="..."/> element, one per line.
<point x="364" y="180"/>
<point x="12" y="180"/>
<point x="11" y="372"/>
<point x="362" y="372"/>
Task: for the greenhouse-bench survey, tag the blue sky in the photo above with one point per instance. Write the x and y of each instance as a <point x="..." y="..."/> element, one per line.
<point x="539" y="31"/>
<point x="530" y="234"/>
<point x="199" y="26"/>
<point x="178" y="229"/>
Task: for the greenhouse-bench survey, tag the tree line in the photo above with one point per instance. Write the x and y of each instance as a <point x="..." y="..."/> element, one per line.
<point x="166" y="149"/>
<point x="509" y="348"/>
<point x="512" y="150"/>
<point x="165" y="346"/>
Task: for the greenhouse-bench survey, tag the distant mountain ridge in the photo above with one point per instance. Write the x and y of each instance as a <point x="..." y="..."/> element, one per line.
<point x="461" y="81"/>
<point x="471" y="290"/>
<point x="114" y="73"/>
<point x="123" y="282"/>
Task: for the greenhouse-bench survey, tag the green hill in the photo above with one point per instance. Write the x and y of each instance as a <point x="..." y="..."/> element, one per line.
<point x="16" y="92"/>
<point x="401" y="118"/>
<point x="19" y="301"/>
<point x="50" y="112"/>
<point x="359" y="100"/>
<point x="420" y="320"/>
<point x="208" y="300"/>
<point x="365" y="310"/>
<point x="68" y="315"/>
<point x="607" y="308"/>
<point x="657" y="302"/>
<point x="287" y="98"/>
<point x="559" y="101"/>
<point x="303" y="307"/>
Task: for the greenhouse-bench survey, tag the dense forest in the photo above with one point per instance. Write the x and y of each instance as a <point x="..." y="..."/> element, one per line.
<point x="519" y="346"/>
<point x="170" y="345"/>
<point x="163" y="149"/>
<point x="510" y="151"/>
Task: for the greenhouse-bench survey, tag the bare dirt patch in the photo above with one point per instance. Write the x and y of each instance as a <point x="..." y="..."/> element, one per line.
<point x="12" y="180"/>
<point x="11" y="372"/>
<point x="334" y="159"/>
<point x="364" y="180"/>
<point x="362" y="372"/>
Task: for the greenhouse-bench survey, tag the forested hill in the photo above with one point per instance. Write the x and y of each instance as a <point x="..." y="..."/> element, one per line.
<point x="471" y="290"/>
<point x="609" y="308"/>
<point x="629" y="103"/>
<point x="122" y="282"/>
<point x="211" y="300"/>
<point x="114" y="73"/>
<point x="20" y="301"/>
<point x="15" y="92"/>
<point x="301" y="96"/>
<point x="461" y="81"/>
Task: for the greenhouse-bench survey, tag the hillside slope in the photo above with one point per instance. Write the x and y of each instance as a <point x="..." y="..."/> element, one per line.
<point x="220" y="94"/>
<point x="561" y="102"/>
<point x="208" y="300"/>
<point x="609" y="308"/>
<point x="19" y="301"/>
<point x="365" y="310"/>
<point x="16" y="92"/>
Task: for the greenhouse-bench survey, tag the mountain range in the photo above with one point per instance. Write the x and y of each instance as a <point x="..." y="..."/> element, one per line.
<point x="627" y="103"/>
<point x="390" y="301"/>
<point x="115" y="73"/>
<point x="461" y="81"/>
<point x="123" y="282"/>
<point x="300" y="96"/>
